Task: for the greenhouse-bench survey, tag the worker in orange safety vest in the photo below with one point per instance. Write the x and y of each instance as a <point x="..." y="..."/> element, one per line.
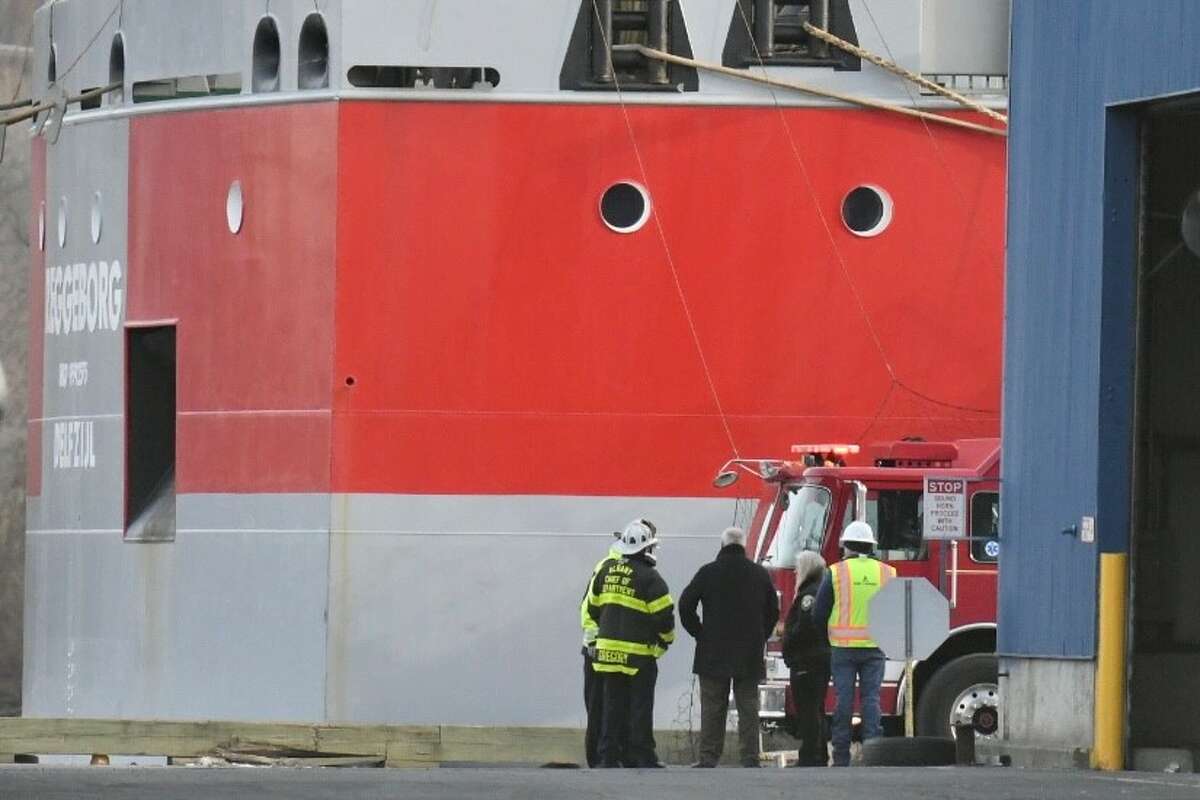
<point x="845" y="599"/>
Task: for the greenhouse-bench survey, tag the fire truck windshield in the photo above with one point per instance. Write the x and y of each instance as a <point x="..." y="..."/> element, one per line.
<point x="801" y="525"/>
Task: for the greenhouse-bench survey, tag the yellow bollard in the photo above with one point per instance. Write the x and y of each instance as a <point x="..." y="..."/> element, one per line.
<point x="1108" y="744"/>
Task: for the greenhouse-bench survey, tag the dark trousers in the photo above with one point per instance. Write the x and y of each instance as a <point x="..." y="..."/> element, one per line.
<point x="714" y="708"/>
<point x="627" y="728"/>
<point x="866" y="664"/>
<point x="809" y="684"/>
<point x="593" y="701"/>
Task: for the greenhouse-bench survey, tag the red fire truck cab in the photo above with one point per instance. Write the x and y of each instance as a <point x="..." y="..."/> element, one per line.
<point x="806" y="503"/>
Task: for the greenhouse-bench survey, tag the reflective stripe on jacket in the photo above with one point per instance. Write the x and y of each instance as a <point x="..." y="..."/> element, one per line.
<point x="855" y="581"/>
<point x="590" y="628"/>
<point x="634" y="615"/>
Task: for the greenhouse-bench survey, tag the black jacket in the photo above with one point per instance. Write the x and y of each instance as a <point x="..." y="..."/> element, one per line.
<point x="805" y="638"/>
<point x="634" y="614"/>
<point x="740" y="611"/>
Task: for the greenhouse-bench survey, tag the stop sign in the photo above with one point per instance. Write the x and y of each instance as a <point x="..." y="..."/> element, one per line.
<point x="927" y="620"/>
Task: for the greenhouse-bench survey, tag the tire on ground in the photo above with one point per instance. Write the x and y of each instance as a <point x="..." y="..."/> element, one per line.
<point x="919" y="751"/>
<point x="933" y="706"/>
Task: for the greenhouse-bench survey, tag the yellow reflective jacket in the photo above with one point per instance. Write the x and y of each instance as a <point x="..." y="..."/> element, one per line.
<point x="855" y="581"/>
<point x="634" y="614"/>
<point x="588" y="624"/>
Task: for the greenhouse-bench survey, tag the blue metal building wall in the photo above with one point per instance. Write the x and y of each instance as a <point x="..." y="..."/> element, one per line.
<point x="1077" y="69"/>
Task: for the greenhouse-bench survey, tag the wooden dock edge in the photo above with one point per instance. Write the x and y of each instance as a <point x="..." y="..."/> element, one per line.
<point x="396" y="745"/>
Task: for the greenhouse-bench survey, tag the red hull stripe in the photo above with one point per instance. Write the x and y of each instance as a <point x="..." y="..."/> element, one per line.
<point x="438" y="277"/>
<point x="268" y="452"/>
<point x="255" y="320"/>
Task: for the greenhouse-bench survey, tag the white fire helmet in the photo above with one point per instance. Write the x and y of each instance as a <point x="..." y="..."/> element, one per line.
<point x="860" y="532"/>
<point x="637" y="536"/>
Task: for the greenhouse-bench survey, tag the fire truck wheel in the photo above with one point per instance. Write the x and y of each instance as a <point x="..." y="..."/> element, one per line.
<point x="919" y="751"/>
<point x="963" y="691"/>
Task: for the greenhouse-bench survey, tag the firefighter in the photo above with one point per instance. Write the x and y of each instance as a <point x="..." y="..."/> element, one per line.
<point x="844" y="600"/>
<point x="740" y="610"/>
<point x="635" y="618"/>
<point x="592" y="694"/>
<point x="806" y="652"/>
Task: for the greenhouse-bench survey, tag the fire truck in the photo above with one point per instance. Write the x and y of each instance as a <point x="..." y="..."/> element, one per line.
<point x="805" y="504"/>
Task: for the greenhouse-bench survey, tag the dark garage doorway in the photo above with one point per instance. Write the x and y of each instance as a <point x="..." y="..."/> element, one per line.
<point x="1165" y="547"/>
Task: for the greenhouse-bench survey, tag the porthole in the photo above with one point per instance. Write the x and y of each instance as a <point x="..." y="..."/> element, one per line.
<point x="625" y="207"/>
<point x="313" y="70"/>
<point x="62" y="223"/>
<point x="265" y="76"/>
<point x="234" y="207"/>
<point x="96" y="218"/>
<point x="867" y="211"/>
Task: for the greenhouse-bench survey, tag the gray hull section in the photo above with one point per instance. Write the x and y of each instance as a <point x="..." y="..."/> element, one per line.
<point x="221" y="623"/>
<point x="356" y="608"/>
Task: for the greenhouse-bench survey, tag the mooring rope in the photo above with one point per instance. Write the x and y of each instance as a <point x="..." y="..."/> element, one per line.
<point x="34" y="110"/>
<point x="767" y="80"/>
<point x="908" y="75"/>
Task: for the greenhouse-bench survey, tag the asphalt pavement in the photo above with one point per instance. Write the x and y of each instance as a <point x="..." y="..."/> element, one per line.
<point x="185" y="783"/>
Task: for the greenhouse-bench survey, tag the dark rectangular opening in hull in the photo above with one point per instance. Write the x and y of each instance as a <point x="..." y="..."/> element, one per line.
<point x="150" y="434"/>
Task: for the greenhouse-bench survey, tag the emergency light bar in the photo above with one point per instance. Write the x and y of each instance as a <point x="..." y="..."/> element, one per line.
<point x="836" y="449"/>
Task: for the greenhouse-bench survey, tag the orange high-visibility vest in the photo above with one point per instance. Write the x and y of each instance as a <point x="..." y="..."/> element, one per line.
<point x="855" y="582"/>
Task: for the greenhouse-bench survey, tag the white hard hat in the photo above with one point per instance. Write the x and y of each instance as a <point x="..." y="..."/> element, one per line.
<point x="858" y="531"/>
<point x="637" y="536"/>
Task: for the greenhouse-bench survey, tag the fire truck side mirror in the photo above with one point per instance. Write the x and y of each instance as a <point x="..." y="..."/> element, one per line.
<point x="725" y="479"/>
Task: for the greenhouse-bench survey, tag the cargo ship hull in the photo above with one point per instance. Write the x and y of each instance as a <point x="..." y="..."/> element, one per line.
<point x="415" y="380"/>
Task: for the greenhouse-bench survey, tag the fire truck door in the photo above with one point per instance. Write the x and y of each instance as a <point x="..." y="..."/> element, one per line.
<point x="895" y="514"/>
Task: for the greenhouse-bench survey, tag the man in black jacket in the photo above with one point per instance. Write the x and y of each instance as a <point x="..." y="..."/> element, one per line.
<point x="740" y="611"/>
<point x="806" y="652"/>
<point x="635" y="624"/>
